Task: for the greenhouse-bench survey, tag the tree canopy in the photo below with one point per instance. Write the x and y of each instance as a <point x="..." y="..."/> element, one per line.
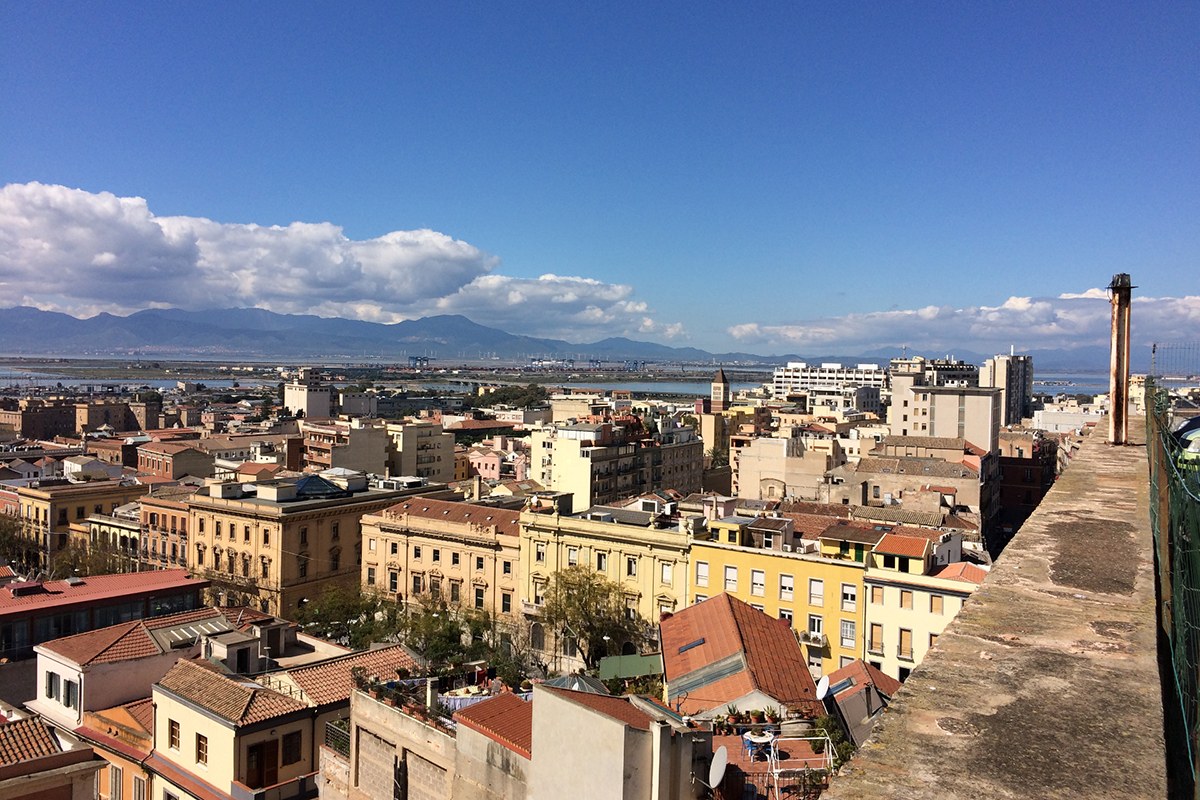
<point x="586" y="605"/>
<point x="529" y="396"/>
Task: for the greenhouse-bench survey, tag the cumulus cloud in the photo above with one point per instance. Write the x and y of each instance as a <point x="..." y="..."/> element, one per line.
<point x="75" y="251"/>
<point x="1066" y="322"/>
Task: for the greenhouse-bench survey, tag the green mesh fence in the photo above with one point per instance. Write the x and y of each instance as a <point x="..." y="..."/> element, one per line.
<point x="1175" y="517"/>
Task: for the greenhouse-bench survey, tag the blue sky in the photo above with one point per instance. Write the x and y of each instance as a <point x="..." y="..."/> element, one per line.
<point x="786" y="177"/>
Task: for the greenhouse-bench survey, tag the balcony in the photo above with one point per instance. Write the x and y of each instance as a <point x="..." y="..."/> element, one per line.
<point x="300" y="788"/>
<point x="875" y="648"/>
<point x="904" y="653"/>
<point x="532" y="609"/>
<point x="814" y="638"/>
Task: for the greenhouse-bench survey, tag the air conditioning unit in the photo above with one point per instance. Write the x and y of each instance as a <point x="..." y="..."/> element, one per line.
<point x="787" y="548"/>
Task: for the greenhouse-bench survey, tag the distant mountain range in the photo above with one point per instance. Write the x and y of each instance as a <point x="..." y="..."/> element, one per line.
<point x="253" y="332"/>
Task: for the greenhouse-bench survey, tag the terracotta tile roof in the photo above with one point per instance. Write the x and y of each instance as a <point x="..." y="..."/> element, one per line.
<point x="506" y="521"/>
<point x="97" y="588"/>
<point x="242" y="617"/>
<point x="927" y="467"/>
<point x="242" y="703"/>
<point x="897" y="515"/>
<point x="910" y="546"/>
<point x="505" y="718"/>
<point x="167" y="448"/>
<point x="962" y="571"/>
<point x="143" y="712"/>
<point x="124" y="641"/>
<point x="722" y="627"/>
<point x="480" y="424"/>
<point x="864" y="675"/>
<point x="810" y="526"/>
<point x="25" y="740"/>
<point x="7" y="572"/>
<point x="616" y="707"/>
<point x="330" y="681"/>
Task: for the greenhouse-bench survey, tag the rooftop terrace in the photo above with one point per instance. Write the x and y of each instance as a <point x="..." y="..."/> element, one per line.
<point x="1047" y="682"/>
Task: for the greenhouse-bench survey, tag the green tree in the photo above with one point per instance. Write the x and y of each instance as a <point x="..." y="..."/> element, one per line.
<point x="717" y="458"/>
<point x="345" y="615"/>
<point x="149" y="397"/>
<point x="586" y="605"/>
<point x="20" y="551"/>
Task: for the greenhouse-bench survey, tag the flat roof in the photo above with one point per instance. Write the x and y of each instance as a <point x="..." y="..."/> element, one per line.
<point x="93" y="590"/>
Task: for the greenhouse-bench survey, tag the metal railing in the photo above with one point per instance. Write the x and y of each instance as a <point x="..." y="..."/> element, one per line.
<point x="337" y="738"/>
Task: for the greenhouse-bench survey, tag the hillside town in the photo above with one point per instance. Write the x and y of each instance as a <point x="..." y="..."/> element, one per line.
<point x="306" y="588"/>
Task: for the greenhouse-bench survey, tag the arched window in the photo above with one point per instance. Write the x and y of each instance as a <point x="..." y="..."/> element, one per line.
<point x="537" y="636"/>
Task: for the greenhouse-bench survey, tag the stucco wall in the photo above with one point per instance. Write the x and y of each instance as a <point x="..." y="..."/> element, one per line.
<point x="487" y="770"/>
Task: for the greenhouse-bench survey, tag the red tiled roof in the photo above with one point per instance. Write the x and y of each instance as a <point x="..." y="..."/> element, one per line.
<point x="898" y="545"/>
<point x="616" y="707"/>
<point x="243" y="617"/>
<point x="962" y="571"/>
<point x="723" y="626"/>
<point x="202" y="790"/>
<point x="167" y="448"/>
<point x="122" y="642"/>
<point x="7" y="572"/>
<point x="240" y="702"/>
<point x="330" y="681"/>
<point x="480" y="424"/>
<point x="25" y="740"/>
<point x="864" y="674"/>
<point x="97" y="588"/>
<point x="506" y="521"/>
<point x="505" y="718"/>
<point x="142" y="711"/>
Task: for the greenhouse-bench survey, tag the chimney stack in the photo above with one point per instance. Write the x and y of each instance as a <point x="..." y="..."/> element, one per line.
<point x="1120" y="294"/>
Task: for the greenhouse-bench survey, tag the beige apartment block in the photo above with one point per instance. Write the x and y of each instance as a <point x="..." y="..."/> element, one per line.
<point x="772" y="468"/>
<point x="952" y="412"/>
<point x="282" y="542"/>
<point x="358" y="444"/>
<point x="420" y="448"/>
<point x="463" y="553"/>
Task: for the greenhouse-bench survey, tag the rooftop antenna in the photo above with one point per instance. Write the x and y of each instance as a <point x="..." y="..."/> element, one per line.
<point x="716" y="769"/>
<point x="823" y="687"/>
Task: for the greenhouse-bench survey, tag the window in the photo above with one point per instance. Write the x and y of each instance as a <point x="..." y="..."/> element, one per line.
<point x="201" y="749"/>
<point x="539" y="552"/>
<point x="335" y="560"/>
<point x="816" y="592"/>
<point x="266" y="537"/>
<point x="506" y="603"/>
<point x="217" y="531"/>
<point x="814" y="662"/>
<point x="843" y="548"/>
<point x="292" y="747"/>
<point x="572" y="556"/>
<point x="848" y="633"/>
<point x="172" y="734"/>
<point x="201" y="523"/>
<point x="700" y="598"/>
<point x="816" y="624"/>
<point x="932" y="640"/>
<point x="631" y="567"/>
<point x="702" y="573"/>
<point x="393" y="581"/>
<point x="877" y="595"/>
<point x="731" y="580"/>
<point x="116" y="782"/>
<point x="454" y="559"/>
<point x="905" y="598"/>
<point x="668" y="573"/>
<point x="875" y="643"/>
<point x="758" y="583"/>
<point x="302" y="564"/>
<point x="875" y="492"/>
<point x="758" y="607"/>
<point x="395" y="549"/>
<point x="903" y="564"/>
<point x="786" y="613"/>
<point x="370" y="576"/>
<point x="437" y="556"/>
<point x="507" y="569"/>
<point x="200" y="555"/>
<point x="70" y="694"/>
<point x="479" y="597"/>
<point x="601" y="561"/>
<point x="371" y="545"/>
<point x="246" y="534"/>
<point x="435" y="587"/>
<point x="849" y="597"/>
<point x="416" y="551"/>
<point x="905" y="650"/>
<point x="139" y="788"/>
<point x="787" y="586"/>
<point x="733" y="537"/>
<point x="52" y="686"/>
<point x="334" y="530"/>
<point x="454" y="591"/>
<point x="935" y="604"/>
<point x="416" y="584"/>
<point x="889" y="562"/>
<point x="303" y="533"/>
<point x="266" y="569"/>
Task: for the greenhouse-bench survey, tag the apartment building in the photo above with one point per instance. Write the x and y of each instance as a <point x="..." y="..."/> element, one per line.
<point x="962" y="412"/>
<point x="463" y="553"/>
<point x="358" y="444"/>
<point x="914" y="588"/>
<point x="947" y="371"/>
<point x="798" y="377"/>
<point x="174" y="460"/>
<point x="1013" y="376"/>
<point x="790" y="464"/>
<point x="422" y="449"/>
<point x="272" y="545"/>
<point x="306" y="397"/>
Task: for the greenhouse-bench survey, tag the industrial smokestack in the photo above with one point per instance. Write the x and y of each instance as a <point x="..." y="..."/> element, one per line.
<point x="1120" y="294"/>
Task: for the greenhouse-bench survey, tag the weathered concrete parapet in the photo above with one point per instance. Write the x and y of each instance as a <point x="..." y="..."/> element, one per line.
<point x="1047" y="682"/>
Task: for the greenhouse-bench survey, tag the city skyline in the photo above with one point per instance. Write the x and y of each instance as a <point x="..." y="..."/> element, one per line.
<point x="800" y="179"/>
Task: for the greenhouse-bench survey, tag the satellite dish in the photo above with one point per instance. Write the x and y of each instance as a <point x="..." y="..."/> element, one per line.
<point x="716" y="770"/>
<point x="823" y="687"/>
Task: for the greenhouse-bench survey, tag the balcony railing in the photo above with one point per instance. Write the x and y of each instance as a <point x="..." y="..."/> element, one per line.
<point x="876" y="648"/>
<point x="301" y="788"/>
<point x="814" y="638"/>
<point x="905" y="654"/>
<point x="337" y="738"/>
<point x="533" y="609"/>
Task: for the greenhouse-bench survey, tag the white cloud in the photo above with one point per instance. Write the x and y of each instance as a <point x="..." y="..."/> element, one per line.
<point x="1028" y="323"/>
<point x="79" y="252"/>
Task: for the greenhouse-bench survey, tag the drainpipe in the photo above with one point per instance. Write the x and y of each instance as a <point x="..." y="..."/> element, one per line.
<point x="1120" y="292"/>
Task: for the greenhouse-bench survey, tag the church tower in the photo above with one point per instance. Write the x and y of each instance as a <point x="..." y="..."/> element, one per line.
<point x="720" y="392"/>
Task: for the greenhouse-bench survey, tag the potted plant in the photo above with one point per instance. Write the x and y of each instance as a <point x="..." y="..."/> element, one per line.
<point x="402" y="673"/>
<point x="772" y="714"/>
<point x="359" y="676"/>
<point x="756" y="715"/>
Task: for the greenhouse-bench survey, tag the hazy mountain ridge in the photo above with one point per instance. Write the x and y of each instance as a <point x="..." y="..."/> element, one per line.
<point x="255" y="331"/>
